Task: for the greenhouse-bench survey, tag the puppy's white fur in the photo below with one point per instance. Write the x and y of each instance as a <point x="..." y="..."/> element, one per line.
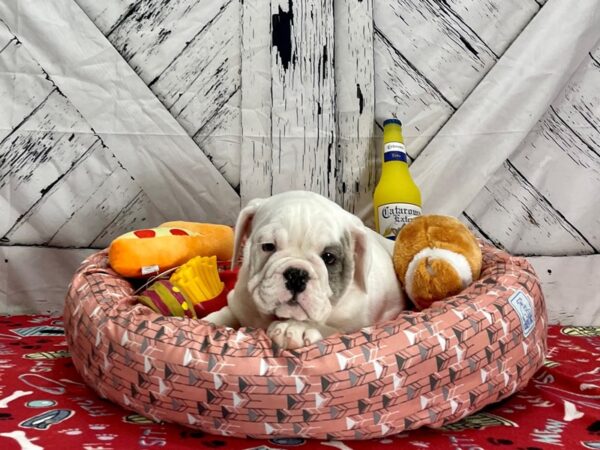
<point x="301" y="230"/>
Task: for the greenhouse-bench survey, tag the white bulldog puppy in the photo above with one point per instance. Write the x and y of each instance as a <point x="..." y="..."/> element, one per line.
<point x="309" y="269"/>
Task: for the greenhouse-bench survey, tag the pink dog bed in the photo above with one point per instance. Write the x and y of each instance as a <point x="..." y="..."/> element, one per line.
<point x="424" y="368"/>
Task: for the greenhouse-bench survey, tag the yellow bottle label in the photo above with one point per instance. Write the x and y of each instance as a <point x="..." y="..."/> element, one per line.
<point x="393" y="216"/>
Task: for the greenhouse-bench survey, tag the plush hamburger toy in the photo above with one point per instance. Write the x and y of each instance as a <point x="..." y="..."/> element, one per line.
<point x="435" y="257"/>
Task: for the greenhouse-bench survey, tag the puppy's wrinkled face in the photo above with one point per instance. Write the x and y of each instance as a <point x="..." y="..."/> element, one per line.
<point x="300" y="262"/>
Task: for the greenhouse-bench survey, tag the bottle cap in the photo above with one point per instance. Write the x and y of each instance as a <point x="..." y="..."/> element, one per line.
<point x="395" y="121"/>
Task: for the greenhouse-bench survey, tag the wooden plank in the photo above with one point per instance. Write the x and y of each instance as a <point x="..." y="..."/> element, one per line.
<point x="496" y="22"/>
<point x="256" y="172"/>
<point x="96" y="187"/>
<point x="132" y="210"/>
<point x="37" y="155"/>
<point x="516" y="217"/>
<point x="437" y="43"/>
<point x="153" y="32"/>
<point x="565" y="171"/>
<point x="303" y="92"/>
<point x="133" y="216"/>
<point x="107" y="15"/>
<point x="220" y="139"/>
<point x="403" y="92"/>
<point x="578" y="105"/>
<point x="561" y="157"/>
<point x="22" y="85"/>
<point x="36" y="279"/>
<point x="478" y="231"/>
<point x="204" y="75"/>
<point x="355" y="105"/>
<point x="44" y="214"/>
<point x="571" y="287"/>
<point x="123" y="112"/>
<point x="500" y="112"/>
<point x="56" y="210"/>
<point x="201" y="80"/>
<point x="5" y="36"/>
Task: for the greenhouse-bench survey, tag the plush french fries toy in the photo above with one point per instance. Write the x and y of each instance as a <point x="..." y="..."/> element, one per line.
<point x="147" y="252"/>
<point x="194" y="290"/>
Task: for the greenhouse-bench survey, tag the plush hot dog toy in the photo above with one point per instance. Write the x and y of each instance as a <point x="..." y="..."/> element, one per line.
<point x="146" y="252"/>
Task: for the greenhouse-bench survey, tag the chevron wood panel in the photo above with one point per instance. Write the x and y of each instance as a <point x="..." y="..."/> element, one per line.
<point x="565" y="171"/>
<point x="307" y="109"/>
<point x="221" y="139"/>
<point x="401" y="91"/>
<point x="33" y="161"/>
<point x="89" y="190"/>
<point x="441" y="46"/>
<point x="28" y="88"/>
<point x="107" y="15"/>
<point x="474" y="227"/>
<point x="511" y="213"/>
<point x="55" y="171"/>
<point x="188" y="53"/>
<point x="124" y="111"/>
<point x="578" y="105"/>
<point x="573" y="144"/>
<point x="149" y="34"/>
<point x="430" y="55"/>
<point x="133" y="215"/>
<point x="497" y="23"/>
<point x="204" y="74"/>
<point x="559" y="164"/>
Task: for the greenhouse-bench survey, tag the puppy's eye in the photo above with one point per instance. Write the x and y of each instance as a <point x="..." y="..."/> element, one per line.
<point x="268" y="247"/>
<point x="328" y="258"/>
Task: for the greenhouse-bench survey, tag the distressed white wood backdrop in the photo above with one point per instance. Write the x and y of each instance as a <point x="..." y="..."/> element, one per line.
<point x="187" y="109"/>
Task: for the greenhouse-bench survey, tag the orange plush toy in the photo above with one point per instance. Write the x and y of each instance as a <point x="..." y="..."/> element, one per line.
<point x="147" y="252"/>
<point x="436" y="257"/>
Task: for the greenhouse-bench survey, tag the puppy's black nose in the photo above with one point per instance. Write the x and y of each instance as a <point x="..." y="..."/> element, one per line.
<point x="296" y="279"/>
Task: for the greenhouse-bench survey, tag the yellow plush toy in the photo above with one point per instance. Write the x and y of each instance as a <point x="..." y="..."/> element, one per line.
<point x="435" y="257"/>
<point x="192" y="291"/>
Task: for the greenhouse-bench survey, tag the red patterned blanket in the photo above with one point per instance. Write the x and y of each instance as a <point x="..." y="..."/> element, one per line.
<point x="44" y="405"/>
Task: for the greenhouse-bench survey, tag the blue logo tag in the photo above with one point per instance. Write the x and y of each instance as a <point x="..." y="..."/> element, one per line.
<point x="523" y="305"/>
<point x="394" y="156"/>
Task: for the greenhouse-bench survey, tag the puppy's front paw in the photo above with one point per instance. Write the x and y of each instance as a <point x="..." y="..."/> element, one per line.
<point x="293" y="334"/>
<point x="223" y="317"/>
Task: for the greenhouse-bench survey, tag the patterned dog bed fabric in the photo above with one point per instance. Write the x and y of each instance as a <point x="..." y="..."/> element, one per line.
<point x="424" y="368"/>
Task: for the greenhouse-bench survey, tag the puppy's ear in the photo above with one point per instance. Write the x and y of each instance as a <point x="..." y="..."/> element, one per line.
<point x="243" y="226"/>
<point x="362" y="256"/>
